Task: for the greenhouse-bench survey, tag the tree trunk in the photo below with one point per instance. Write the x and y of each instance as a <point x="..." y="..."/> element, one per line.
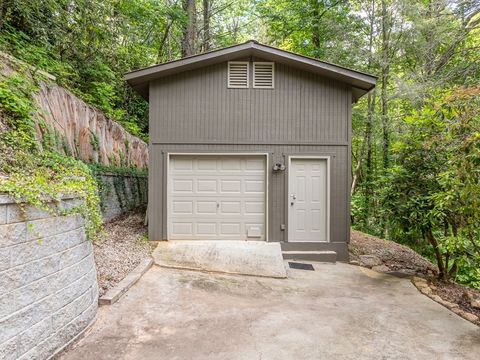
<point x="368" y="130"/>
<point x="206" y="25"/>
<point x="316" y="25"/>
<point x="370" y="107"/>
<point x="442" y="275"/>
<point x="164" y="40"/>
<point x="356" y="174"/>
<point x="385" y="72"/>
<point x="189" y="29"/>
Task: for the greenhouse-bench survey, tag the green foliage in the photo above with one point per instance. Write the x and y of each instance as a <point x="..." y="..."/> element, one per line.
<point x="93" y="76"/>
<point x="116" y="170"/>
<point x="414" y="148"/>
<point x="48" y="176"/>
<point x="314" y="28"/>
<point x="94" y="141"/>
<point x="89" y="44"/>
<point x="119" y="177"/>
<point x="34" y="176"/>
<point x="424" y="53"/>
<point x="17" y="106"/>
<point x="433" y="191"/>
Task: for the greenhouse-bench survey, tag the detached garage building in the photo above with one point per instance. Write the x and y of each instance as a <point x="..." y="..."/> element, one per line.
<point x="252" y="143"/>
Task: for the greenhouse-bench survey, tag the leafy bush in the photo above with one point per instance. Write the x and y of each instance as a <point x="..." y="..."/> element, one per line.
<point x="433" y="189"/>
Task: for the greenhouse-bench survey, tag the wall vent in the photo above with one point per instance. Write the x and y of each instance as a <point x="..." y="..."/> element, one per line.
<point x="238" y="74"/>
<point x="263" y="75"/>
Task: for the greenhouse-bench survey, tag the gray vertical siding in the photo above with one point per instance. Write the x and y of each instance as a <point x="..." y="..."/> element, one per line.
<point x="305" y="114"/>
<point x="277" y="185"/>
<point x="197" y="107"/>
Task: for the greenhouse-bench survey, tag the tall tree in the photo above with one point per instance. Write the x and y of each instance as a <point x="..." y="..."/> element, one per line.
<point x="385" y="77"/>
<point x="190" y="28"/>
<point x="206" y="25"/>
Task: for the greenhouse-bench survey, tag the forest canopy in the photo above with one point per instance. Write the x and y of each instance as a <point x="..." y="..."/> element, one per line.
<point x="416" y="149"/>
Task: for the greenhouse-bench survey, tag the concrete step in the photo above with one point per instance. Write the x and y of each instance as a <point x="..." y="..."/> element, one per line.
<point x="255" y="258"/>
<point x="322" y="256"/>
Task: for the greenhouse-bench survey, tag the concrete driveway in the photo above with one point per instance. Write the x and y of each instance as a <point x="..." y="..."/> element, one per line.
<point x="338" y="311"/>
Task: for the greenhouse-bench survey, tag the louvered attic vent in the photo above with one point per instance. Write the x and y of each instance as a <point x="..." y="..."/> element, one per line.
<point x="238" y="74"/>
<point x="263" y="75"/>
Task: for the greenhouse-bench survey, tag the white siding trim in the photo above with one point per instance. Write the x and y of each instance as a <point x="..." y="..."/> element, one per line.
<point x="261" y="83"/>
<point x="235" y="82"/>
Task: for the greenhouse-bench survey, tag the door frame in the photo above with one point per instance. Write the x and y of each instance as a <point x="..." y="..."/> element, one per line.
<point x="289" y="182"/>
<point x="168" y="182"/>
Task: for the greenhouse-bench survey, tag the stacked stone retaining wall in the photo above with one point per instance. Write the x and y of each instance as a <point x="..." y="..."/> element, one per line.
<point x="120" y="193"/>
<point x="48" y="280"/>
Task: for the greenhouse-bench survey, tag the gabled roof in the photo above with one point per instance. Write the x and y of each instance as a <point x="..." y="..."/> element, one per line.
<point x="361" y="82"/>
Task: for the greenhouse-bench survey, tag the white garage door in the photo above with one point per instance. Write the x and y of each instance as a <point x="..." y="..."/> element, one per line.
<point x="216" y="197"/>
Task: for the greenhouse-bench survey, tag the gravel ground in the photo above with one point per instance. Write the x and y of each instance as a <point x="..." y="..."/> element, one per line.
<point x="393" y="255"/>
<point x="121" y="248"/>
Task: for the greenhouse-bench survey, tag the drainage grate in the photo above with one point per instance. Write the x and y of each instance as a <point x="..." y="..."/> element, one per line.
<point x="301" y="266"/>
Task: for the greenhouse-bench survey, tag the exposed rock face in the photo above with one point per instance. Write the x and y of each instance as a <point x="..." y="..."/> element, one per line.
<point x="81" y="130"/>
<point x="88" y="134"/>
<point x="370" y="260"/>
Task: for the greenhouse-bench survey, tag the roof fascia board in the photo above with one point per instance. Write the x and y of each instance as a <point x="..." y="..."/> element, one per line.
<point x="318" y="66"/>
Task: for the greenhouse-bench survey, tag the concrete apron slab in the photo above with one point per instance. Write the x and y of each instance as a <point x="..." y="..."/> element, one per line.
<point x="255" y="258"/>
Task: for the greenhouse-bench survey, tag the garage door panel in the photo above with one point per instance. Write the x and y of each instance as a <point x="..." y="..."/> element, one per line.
<point x="206" y="164"/>
<point x="231" y="164"/>
<point x="182" y="207"/>
<point x="206" y="207"/>
<point x="217" y="197"/>
<point x="254" y="186"/>
<point x="206" y="186"/>
<point x="254" y="207"/>
<point x="206" y="228"/>
<point x="182" y="228"/>
<point x="230" y="207"/>
<point x="180" y="185"/>
<point x="257" y="165"/>
<point x="230" y="228"/>
<point x="183" y="164"/>
<point x="230" y="186"/>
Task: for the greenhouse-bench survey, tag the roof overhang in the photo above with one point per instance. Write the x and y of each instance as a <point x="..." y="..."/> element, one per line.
<point x="360" y="82"/>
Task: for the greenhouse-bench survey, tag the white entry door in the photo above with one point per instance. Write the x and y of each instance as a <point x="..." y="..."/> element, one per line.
<point x="216" y="197"/>
<point x="308" y="200"/>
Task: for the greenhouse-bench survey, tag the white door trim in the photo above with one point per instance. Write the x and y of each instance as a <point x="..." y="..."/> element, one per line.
<point x="320" y="157"/>
<point x="267" y="167"/>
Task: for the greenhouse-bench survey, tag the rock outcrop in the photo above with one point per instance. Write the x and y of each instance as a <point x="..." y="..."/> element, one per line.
<point x="79" y="129"/>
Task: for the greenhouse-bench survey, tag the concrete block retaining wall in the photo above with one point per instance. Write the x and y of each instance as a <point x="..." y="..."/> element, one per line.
<point x="48" y="280"/>
<point x="121" y="193"/>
